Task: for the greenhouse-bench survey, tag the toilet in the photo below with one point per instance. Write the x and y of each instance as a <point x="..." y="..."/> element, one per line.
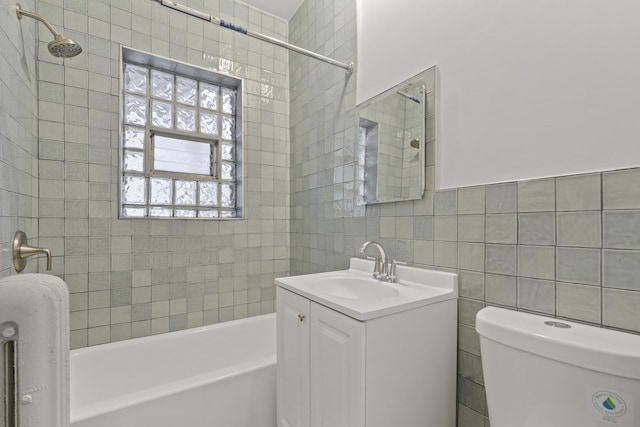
<point x="545" y="372"/>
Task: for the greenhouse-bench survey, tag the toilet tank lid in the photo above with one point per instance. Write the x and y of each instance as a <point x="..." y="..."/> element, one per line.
<point x="601" y="350"/>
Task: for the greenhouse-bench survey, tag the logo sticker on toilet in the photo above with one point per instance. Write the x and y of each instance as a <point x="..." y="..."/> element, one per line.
<point x="609" y="404"/>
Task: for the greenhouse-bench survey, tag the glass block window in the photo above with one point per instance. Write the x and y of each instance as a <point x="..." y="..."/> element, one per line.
<point x="179" y="144"/>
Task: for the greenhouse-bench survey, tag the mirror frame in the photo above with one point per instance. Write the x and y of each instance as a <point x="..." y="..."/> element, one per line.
<point x="367" y="187"/>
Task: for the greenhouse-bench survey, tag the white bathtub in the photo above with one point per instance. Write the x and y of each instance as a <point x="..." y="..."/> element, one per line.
<point x="215" y="376"/>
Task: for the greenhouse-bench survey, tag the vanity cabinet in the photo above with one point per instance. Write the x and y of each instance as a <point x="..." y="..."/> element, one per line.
<point x="336" y="392"/>
<point x="293" y="359"/>
<point x="319" y="356"/>
<point x="336" y="371"/>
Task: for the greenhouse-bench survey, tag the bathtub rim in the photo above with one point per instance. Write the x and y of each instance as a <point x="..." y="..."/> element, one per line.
<point x="120" y="402"/>
<point x="165" y="335"/>
<point x="149" y="394"/>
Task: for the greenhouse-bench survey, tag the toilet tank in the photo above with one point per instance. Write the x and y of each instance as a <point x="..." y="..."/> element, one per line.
<point x="544" y="372"/>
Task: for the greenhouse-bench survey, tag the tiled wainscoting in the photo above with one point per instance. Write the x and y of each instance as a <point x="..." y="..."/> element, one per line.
<point x="567" y="247"/>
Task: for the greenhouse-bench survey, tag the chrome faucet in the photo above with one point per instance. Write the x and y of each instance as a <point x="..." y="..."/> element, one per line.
<point x="380" y="267"/>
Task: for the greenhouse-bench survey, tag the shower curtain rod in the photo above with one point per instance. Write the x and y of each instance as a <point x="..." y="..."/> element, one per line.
<point x="217" y="21"/>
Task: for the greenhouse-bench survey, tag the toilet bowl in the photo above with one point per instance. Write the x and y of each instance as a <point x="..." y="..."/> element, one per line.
<point x="544" y="372"/>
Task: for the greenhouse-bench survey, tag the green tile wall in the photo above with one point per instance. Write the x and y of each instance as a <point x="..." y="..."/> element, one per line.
<point x="131" y="278"/>
<point x="18" y="133"/>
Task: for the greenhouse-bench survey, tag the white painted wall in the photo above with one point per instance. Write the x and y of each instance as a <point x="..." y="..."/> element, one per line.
<point x="281" y="8"/>
<point x="527" y="88"/>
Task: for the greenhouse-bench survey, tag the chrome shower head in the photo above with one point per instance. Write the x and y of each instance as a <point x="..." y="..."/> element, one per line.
<point x="60" y="46"/>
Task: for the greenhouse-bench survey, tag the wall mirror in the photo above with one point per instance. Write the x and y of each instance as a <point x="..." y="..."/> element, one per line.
<point x="394" y="130"/>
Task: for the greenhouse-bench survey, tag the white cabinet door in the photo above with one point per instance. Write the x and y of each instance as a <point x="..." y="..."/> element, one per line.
<point x="337" y="369"/>
<point x="293" y="359"/>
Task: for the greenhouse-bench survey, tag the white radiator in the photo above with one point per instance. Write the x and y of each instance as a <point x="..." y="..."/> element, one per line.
<point x="34" y="351"/>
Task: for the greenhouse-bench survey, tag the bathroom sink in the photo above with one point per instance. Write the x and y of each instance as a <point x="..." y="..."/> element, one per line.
<point x="355" y="293"/>
<point x="345" y="286"/>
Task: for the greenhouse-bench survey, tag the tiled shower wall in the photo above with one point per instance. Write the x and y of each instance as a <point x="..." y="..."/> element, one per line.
<point x="568" y="247"/>
<point x="136" y="277"/>
<point x="18" y="132"/>
<point x="323" y="139"/>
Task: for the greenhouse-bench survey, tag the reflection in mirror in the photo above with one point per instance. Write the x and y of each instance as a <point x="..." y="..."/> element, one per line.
<point x="392" y="141"/>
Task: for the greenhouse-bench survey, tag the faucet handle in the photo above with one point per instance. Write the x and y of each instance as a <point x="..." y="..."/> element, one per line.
<point x="392" y="270"/>
<point x="378" y="267"/>
<point x="21" y="250"/>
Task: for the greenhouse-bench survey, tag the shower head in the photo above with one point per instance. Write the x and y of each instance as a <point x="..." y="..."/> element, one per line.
<point x="63" y="47"/>
<point x="60" y="46"/>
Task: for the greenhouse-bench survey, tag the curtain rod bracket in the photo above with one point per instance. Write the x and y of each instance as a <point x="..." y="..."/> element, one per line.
<point x="351" y="68"/>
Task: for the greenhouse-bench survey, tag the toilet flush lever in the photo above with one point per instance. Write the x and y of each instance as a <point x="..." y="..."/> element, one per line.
<point x="21" y="250"/>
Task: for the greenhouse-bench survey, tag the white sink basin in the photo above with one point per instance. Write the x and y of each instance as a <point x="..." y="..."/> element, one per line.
<point x="346" y="286"/>
<point x="355" y="293"/>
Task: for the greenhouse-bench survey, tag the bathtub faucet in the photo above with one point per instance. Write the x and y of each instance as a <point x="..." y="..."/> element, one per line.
<point x="380" y="262"/>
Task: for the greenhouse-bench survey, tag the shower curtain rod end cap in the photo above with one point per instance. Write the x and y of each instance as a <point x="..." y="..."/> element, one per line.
<point x="18" y="9"/>
<point x="351" y="67"/>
